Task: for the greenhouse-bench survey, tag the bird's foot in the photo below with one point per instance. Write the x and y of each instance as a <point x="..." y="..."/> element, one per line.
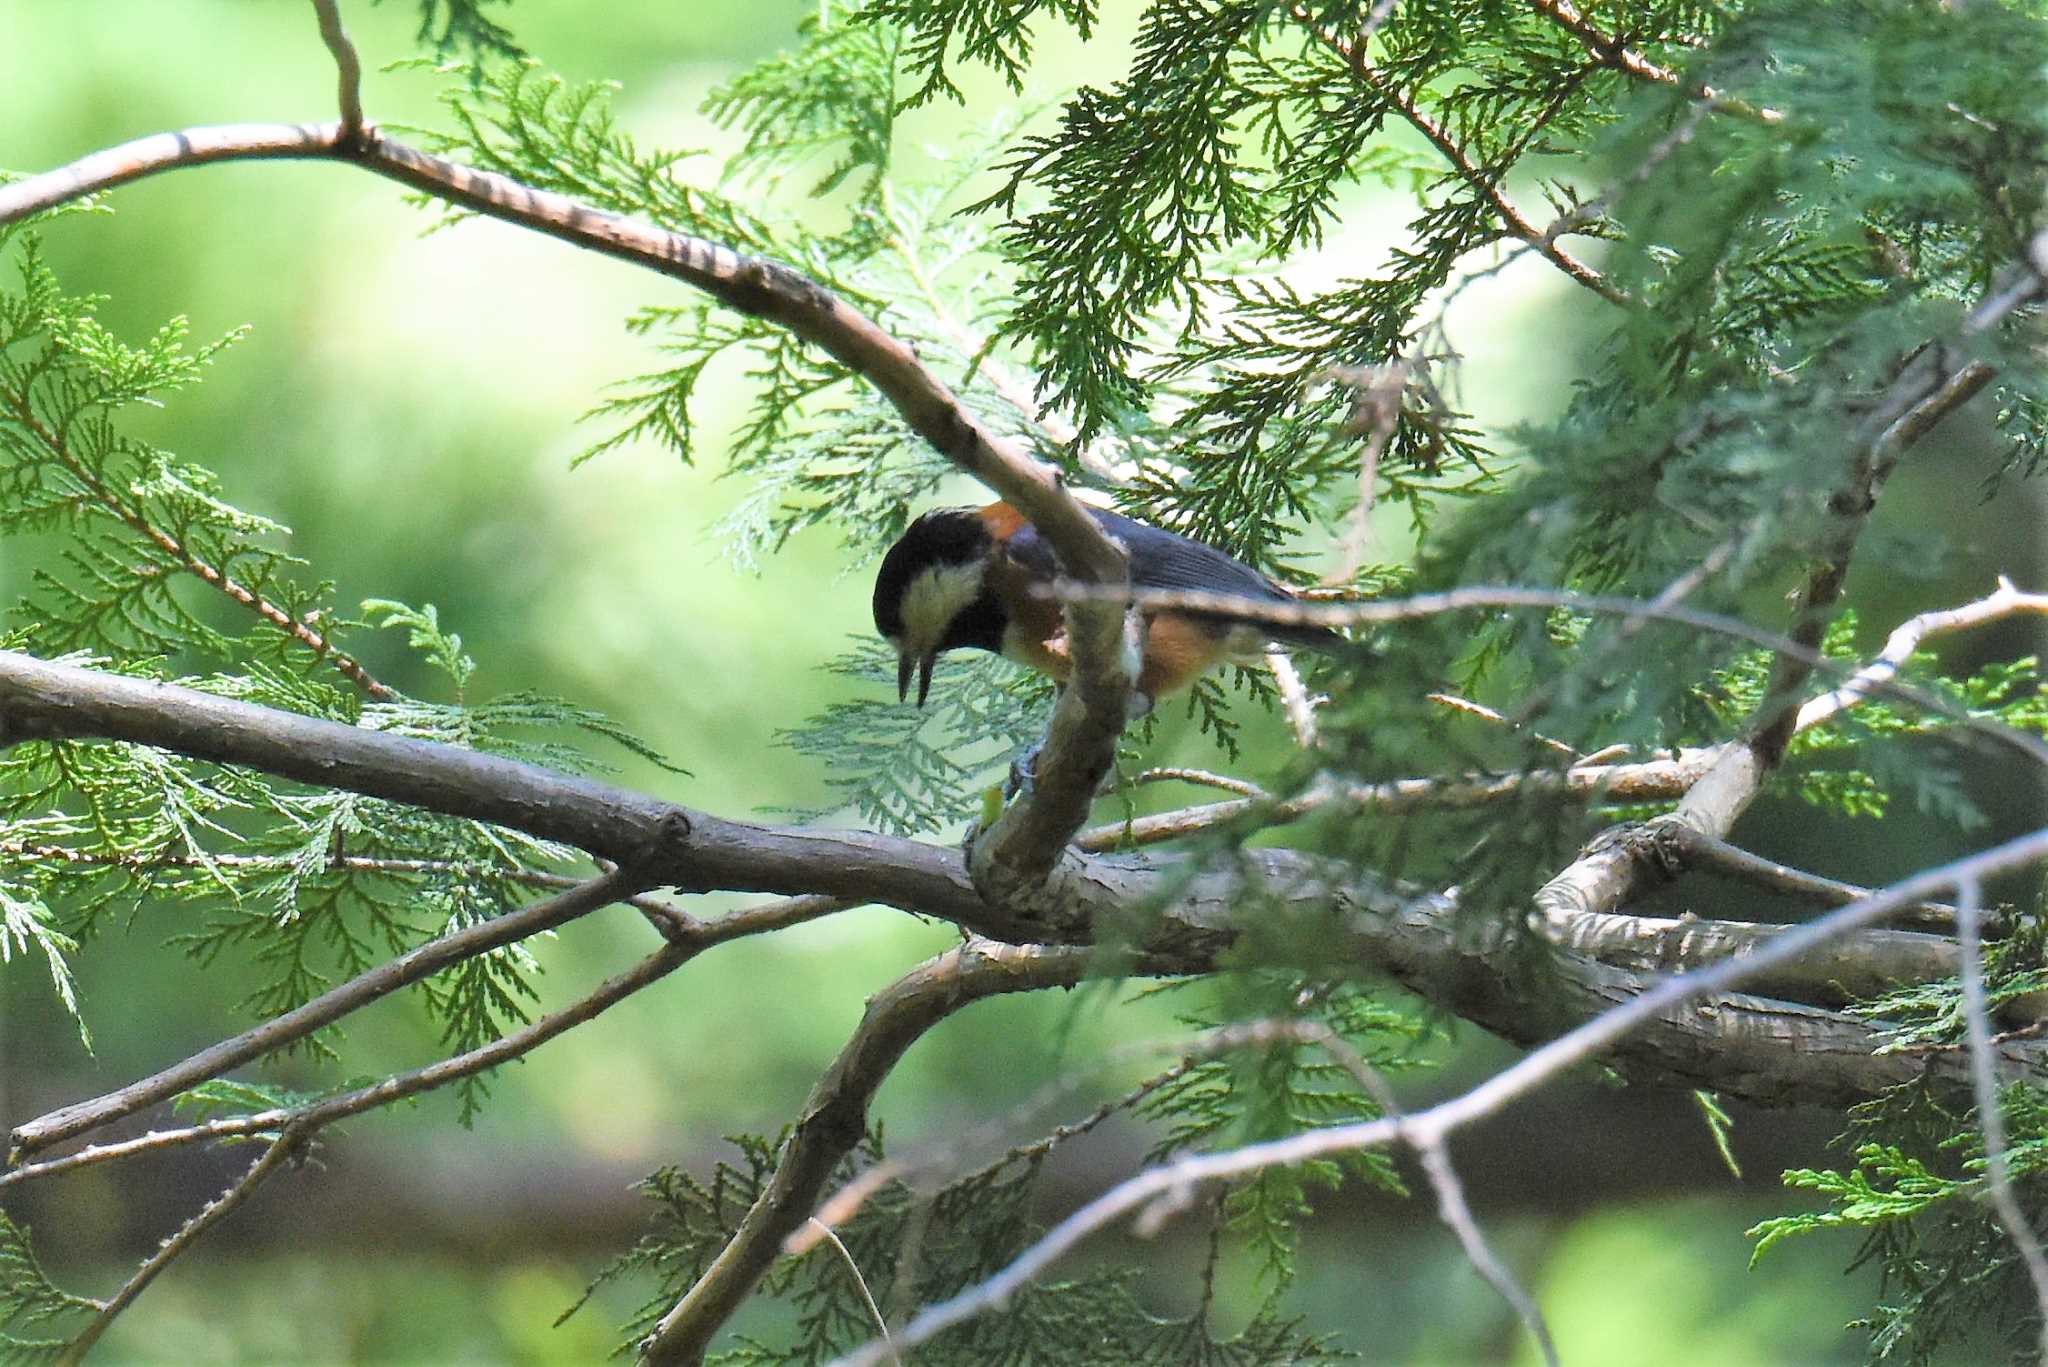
<point x="1023" y="777"/>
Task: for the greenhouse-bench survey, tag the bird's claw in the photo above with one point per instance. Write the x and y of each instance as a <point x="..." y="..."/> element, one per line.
<point x="1023" y="777"/>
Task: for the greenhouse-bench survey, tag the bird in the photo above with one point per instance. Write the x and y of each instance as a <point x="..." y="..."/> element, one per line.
<point x="974" y="579"/>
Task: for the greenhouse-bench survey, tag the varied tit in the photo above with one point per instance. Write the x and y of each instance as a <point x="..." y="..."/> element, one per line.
<point x="964" y="578"/>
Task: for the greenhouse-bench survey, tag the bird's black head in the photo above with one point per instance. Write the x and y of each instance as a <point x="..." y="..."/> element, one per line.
<point x="930" y="596"/>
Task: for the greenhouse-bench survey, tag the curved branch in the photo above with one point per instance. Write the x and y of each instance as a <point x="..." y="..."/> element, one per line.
<point x="1700" y="850"/>
<point x="1594" y="1039"/>
<point x="754" y="286"/>
<point x="348" y="68"/>
<point x="1925" y="392"/>
<point x="1751" y="1048"/>
<point x="834" y="1119"/>
<point x="1081" y="742"/>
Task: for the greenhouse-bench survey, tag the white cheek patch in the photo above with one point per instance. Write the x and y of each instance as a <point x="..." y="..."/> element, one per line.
<point x="935" y="598"/>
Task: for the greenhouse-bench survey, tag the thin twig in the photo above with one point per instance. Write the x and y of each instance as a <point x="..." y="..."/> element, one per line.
<point x="1485" y="182"/>
<point x="348" y="68"/>
<point x="1990" y="1115"/>
<point x="293" y="1128"/>
<point x="1664" y="778"/>
<point x="278" y="1032"/>
<point x="1452" y="1209"/>
<point x="831" y="1236"/>
<point x="290" y="1130"/>
<point x="232" y="1127"/>
<point x="1612" y="52"/>
<point x="210" y="1215"/>
<point x="1295" y="701"/>
<point x="1299" y="613"/>
<point x="1376" y="393"/>
<point x="1485" y="713"/>
<point x="185" y="558"/>
<point x="756" y="920"/>
<point x="1201" y="778"/>
<point x="1906" y="638"/>
<point x="945" y="1162"/>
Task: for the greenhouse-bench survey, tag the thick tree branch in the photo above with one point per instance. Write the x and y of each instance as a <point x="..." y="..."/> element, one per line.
<point x="1838" y="974"/>
<point x="1748" y="1048"/>
<point x="834" y="1119"/>
<point x="692" y="850"/>
<point x="1595" y="1038"/>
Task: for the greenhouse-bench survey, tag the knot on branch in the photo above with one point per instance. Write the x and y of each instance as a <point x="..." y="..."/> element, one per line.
<point x="1656" y="846"/>
<point x="663" y="854"/>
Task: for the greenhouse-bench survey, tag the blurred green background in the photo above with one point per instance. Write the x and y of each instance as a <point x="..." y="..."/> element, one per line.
<point x="408" y="405"/>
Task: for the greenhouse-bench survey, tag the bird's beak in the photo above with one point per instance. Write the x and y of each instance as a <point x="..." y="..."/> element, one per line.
<point x="923" y="664"/>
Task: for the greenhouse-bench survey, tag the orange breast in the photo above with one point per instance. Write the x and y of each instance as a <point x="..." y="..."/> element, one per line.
<point x="1179" y="650"/>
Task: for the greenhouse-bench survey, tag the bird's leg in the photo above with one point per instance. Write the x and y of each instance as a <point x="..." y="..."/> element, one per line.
<point x="1023" y="776"/>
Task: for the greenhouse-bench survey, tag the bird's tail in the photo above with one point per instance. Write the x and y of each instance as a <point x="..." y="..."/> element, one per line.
<point x="1309" y="638"/>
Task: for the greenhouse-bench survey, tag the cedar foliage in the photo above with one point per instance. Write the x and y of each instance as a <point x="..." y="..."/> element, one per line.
<point x="1755" y="266"/>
